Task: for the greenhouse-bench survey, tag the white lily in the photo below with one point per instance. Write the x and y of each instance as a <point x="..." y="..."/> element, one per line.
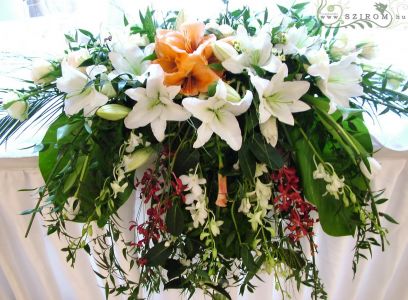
<point x="297" y="41"/>
<point x="279" y="99"/>
<point x="319" y="63"/>
<point x="155" y="104"/>
<point x="218" y="116"/>
<point x="128" y="58"/>
<point x="342" y="83"/>
<point x="76" y="58"/>
<point x="79" y="96"/>
<point x="256" y="51"/>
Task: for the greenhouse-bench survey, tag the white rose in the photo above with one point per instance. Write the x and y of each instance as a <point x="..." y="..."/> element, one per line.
<point x="341" y="47"/>
<point x="368" y="49"/>
<point x="15" y="107"/>
<point x="375" y="168"/>
<point x="40" y="71"/>
<point x="76" y="58"/>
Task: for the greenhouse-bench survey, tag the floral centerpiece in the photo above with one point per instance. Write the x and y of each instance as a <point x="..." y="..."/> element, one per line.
<point x="244" y="131"/>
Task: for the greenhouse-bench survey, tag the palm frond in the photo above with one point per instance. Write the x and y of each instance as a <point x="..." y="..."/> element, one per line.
<point x="43" y="108"/>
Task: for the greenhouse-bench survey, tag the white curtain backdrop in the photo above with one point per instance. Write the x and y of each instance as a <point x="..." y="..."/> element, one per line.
<point x="35" y="268"/>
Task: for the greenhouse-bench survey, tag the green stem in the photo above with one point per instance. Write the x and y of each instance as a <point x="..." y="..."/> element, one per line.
<point x="235" y="222"/>
<point x="310" y="144"/>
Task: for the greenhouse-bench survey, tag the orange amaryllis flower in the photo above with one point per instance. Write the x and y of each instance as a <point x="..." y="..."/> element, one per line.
<point x="184" y="56"/>
<point x="222" y="191"/>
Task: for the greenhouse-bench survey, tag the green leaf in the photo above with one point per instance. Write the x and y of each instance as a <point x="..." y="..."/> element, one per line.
<point x="300" y="6"/>
<point x="125" y="20"/>
<point x="265" y="153"/>
<point x="87" y="33"/>
<point x="247" y="161"/>
<point x="291" y="258"/>
<point x="388" y="218"/>
<point x="335" y="219"/>
<point x="219" y="289"/>
<point x="158" y="255"/>
<point x="175" y="220"/>
<point x="174" y="268"/>
<point x="186" y="160"/>
<point x="283" y="9"/>
<point x="216" y="67"/>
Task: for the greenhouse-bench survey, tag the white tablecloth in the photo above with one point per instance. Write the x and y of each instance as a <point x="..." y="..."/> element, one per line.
<point x="34" y="268"/>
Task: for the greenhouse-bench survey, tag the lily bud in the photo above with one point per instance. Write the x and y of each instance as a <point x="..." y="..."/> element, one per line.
<point x="375" y="168"/>
<point x="113" y="112"/>
<point x="223" y="50"/>
<point x="232" y="94"/>
<point x="15" y="107"/>
<point x="137" y="158"/>
<point x="40" y="72"/>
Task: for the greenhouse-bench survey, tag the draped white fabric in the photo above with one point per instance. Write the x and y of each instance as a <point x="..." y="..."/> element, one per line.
<point x="35" y="268"/>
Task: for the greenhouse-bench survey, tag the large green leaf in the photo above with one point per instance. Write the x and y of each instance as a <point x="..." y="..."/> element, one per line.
<point x="71" y="153"/>
<point x="335" y="218"/>
<point x="175" y="220"/>
<point x="158" y="255"/>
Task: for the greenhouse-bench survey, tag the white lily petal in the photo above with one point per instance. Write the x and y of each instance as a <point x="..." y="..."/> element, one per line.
<point x="175" y="112"/>
<point x="293" y="90"/>
<point x="273" y="64"/>
<point x="142" y="114"/>
<point x="282" y="113"/>
<point x="95" y="70"/>
<point x="240" y="107"/>
<point x="159" y="128"/>
<point x="137" y="94"/>
<point x="233" y="65"/>
<point x="264" y="113"/>
<point x="204" y="133"/>
<point x="199" y="108"/>
<point x="269" y="130"/>
<point x="72" y="80"/>
<point x="227" y="128"/>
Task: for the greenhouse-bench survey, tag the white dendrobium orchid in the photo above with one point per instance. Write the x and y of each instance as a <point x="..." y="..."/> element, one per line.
<point x="218" y="115"/>
<point x="342" y="83"/>
<point x="198" y="211"/>
<point x="256" y="51"/>
<point x="129" y="58"/>
<point x="319" y="63"/>
<point x="215" y="227"/>
<point x="193" y="182"/>
<point x="297" y="41"/>
<point x="245" y="206"/>
<point x="79" y="96"/>
<point x="278" y="99"/>
<point x="155" y="104"/>
<point x="260" y="169"/>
